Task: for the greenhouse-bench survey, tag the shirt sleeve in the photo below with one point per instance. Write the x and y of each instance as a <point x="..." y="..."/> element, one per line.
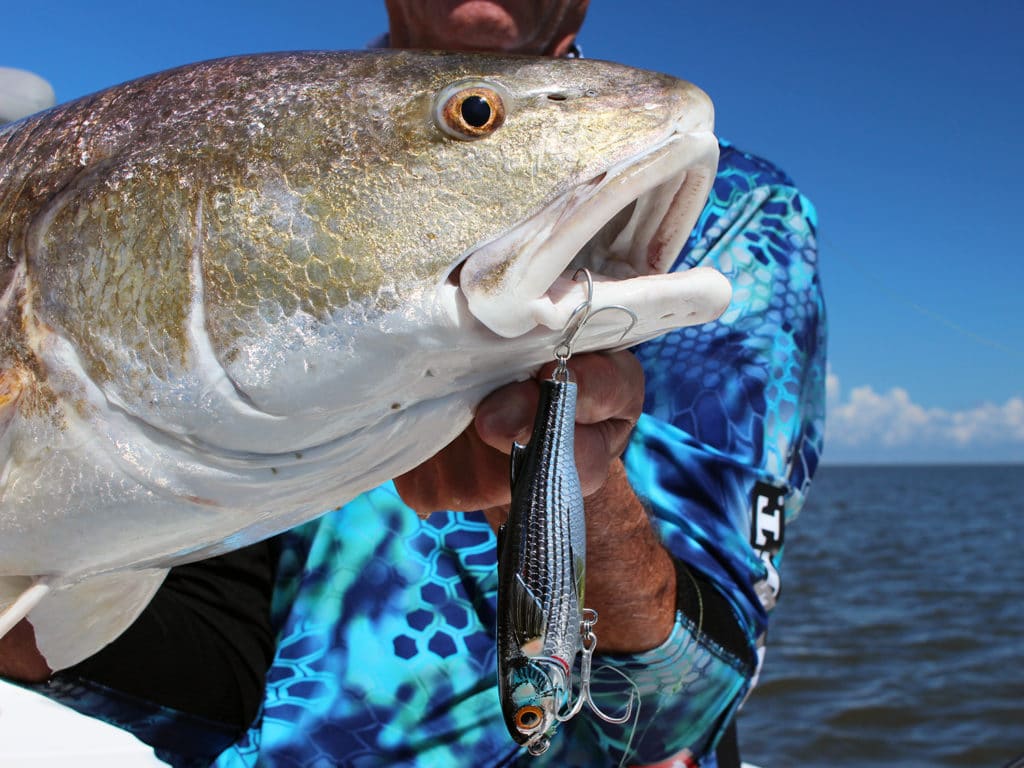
<point x="734" y="411"/>
<point x="683" y="692"/>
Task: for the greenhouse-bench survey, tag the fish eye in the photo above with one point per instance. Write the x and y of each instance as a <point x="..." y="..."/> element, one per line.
<point x="469" y="111"/>
<point x="528" y="718"/>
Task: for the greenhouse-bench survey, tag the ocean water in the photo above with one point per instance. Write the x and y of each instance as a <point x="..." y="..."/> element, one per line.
<point x="899" y="639"/>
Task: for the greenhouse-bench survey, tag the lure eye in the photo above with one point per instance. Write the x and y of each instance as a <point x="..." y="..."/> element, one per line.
<point x="470" y="111"/>
<point x="528" y="718"/>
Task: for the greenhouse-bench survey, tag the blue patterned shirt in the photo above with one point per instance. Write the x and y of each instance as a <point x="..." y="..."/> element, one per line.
<point x="386" y="649"/>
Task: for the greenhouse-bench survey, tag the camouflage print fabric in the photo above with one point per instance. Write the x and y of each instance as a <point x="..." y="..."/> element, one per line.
<point x="386" y="623"/>
<point x="386" y="653"/>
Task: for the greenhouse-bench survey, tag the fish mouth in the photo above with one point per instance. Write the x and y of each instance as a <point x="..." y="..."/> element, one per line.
<point x="626" y="226"/>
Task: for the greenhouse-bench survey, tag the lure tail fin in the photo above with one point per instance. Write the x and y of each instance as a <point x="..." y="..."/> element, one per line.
<point x="72" y="621"/>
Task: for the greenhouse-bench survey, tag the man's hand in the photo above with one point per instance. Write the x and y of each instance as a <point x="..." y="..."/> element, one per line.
<point x="473" y="471"/>
<point x="630" y="576"/>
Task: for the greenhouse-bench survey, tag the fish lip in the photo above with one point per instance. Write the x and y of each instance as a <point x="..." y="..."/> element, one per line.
<point x="524" y="278"/>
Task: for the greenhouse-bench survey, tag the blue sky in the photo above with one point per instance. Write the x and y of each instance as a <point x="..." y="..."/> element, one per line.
<point x="900" y="119"/>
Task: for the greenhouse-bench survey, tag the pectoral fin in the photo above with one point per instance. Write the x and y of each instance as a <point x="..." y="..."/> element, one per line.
<point x="73" y="621"/>
<point x="527" y="618"/>
<point x="12" y="384"/>
<point x="20" y="607"/>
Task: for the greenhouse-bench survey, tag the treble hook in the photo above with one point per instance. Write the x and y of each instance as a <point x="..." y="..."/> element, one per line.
<point x="578" y="318"/>
<point x="589" y="644"/>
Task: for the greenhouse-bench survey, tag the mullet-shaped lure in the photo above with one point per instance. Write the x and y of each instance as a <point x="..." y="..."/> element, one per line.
<point x="542" y="624"/>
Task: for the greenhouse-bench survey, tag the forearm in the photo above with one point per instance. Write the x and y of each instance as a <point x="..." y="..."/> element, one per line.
<point x="631" y="578"/>
<point x="664" y="628"/>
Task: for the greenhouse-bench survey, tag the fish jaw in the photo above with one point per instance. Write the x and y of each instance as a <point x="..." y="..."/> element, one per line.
<point x="521" y="281"/>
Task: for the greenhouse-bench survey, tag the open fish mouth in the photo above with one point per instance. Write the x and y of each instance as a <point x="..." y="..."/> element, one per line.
<point x="627" y="226"/>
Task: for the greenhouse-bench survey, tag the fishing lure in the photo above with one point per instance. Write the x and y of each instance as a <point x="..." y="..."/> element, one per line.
<point x="542" y="624"/>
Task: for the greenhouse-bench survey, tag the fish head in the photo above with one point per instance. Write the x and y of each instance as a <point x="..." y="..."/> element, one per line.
<point x="532" y="694"/>
<point x="314" y="242"/>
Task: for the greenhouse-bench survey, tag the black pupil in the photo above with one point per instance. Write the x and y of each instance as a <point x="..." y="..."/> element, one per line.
<point x="529" y="718"/>
<point x="476" y="111"/>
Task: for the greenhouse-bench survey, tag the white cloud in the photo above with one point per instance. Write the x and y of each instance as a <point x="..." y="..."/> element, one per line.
<point x="865" y="424"/>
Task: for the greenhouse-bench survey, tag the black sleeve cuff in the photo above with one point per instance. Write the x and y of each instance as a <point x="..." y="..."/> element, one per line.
<point x="701" y="602"/>
<point x="204" y="643"/>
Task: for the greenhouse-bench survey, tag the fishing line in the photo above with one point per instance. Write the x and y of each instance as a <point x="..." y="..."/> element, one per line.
<point x="694" y="640"/>
<point x="700" y="605"/>
<point x="636" y="716"/>
<point x="634" y="701"/>
<point x="904" y="300"/>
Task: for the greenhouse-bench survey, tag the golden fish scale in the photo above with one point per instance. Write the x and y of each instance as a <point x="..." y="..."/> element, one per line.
<point x="303" y="183"/>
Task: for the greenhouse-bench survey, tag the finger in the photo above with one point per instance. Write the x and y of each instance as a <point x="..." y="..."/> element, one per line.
<point x="597" y="447"/>
<point x="506" y="415"/>
<point x="464" y="475"/>
<point x="609" y="386"/>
